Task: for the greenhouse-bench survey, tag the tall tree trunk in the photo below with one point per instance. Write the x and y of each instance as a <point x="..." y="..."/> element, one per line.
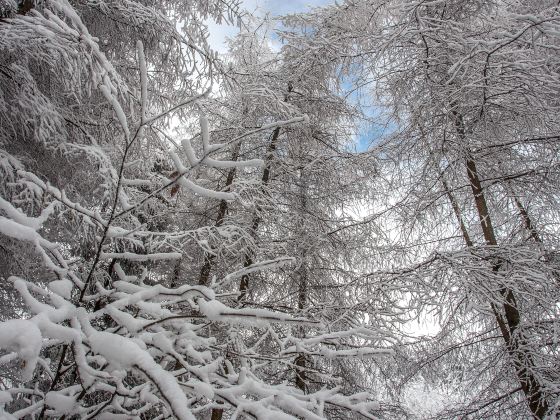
<point x="527" y="220"/>
<point x="222" y="210"/>
<point x="509" y="328"/>
<point x="248" y="260"/>
<point x="256" y="221"/>
<point x="301" y="359"/>
<point x="176" y="274"/>
<point x="25" y="6"/>
<point x="457" y="212"/>
<point x="217" y="413"/>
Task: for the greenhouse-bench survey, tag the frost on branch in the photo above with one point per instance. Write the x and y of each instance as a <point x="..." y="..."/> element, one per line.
<point x="106" y="260"/>
<point x="156" y="354"/>
<point x="207" y="160"/>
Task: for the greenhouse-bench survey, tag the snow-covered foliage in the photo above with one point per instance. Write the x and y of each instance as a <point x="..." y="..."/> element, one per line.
<point x="126" y="293"/>
<point x="190" y="236"/>
<point x="464" y="228"/>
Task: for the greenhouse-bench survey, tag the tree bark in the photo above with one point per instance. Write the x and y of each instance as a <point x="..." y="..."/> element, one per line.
<point x="25" y="6"/>
<point x="209" y="259"/>
<point x="217" y="413"/>
<point x="515" y="344"/>
<point x="527" y="221"/>
<point x="222" y="210"/>
<point x="301" y="359"/>
<point x="457" y="212"/>
<point x="248" y="260"/>
<point x="513" y="338"/>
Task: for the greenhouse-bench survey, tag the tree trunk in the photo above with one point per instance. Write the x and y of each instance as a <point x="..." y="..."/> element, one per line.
<point x="206" y="269"/>
<point x="509" y="329"/>
<point x="222" y="210"/>
<point x="301" y="359"/>
<point x="513" y="338"/>
<point x="217" y="413"/>
<point x="25" y="6"/>
<point x="527" y="221"/>
<point x="244" y="282"/>
<point x="457" y="212"/>
<point x="248" y="260"/>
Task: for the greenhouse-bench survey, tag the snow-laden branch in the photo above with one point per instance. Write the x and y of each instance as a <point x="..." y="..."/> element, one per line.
<point x="216" y="311"/>
<point x="59" y="195"/>
<point x="130" y="256"/>
<point x="258" y="266"/>
<point x="146" y="338"/>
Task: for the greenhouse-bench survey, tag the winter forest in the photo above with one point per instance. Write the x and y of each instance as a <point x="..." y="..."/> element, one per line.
<point x="351" y="211"/>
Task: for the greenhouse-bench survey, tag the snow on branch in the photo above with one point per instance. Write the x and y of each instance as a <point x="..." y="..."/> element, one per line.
<point x="146" y="338"/>
<point x="259" y="266"/>
<point x="130" y="256"/>
<point x="116" y="322"/>
<point x="28" y="177"/>
<point x="217" y="311"/>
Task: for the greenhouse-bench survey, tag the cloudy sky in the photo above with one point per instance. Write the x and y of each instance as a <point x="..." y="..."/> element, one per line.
<point x="218" y="33"/>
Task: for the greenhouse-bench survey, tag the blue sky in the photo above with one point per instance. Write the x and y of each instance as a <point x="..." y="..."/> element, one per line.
<point x="367" y="134"/>
<point x="219" y="33"/>
<point x="283" y="7"/>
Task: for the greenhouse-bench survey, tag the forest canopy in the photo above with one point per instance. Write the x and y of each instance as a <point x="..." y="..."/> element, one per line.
<point x="353" y="212"/>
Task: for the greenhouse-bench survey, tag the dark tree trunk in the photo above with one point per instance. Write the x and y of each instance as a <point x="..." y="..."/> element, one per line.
<point x="244" y="282"/>
<point x="222" y="211"/>
<point x="509" y="328"/>
<point x="513" y="338"/>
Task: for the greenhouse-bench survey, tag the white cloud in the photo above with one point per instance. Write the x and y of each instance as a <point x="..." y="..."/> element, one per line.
<point x="218" y="35"/>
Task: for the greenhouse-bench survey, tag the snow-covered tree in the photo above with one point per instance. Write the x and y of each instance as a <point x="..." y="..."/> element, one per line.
<point x="131" y="247"/>
<point x="466" y="184"/>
